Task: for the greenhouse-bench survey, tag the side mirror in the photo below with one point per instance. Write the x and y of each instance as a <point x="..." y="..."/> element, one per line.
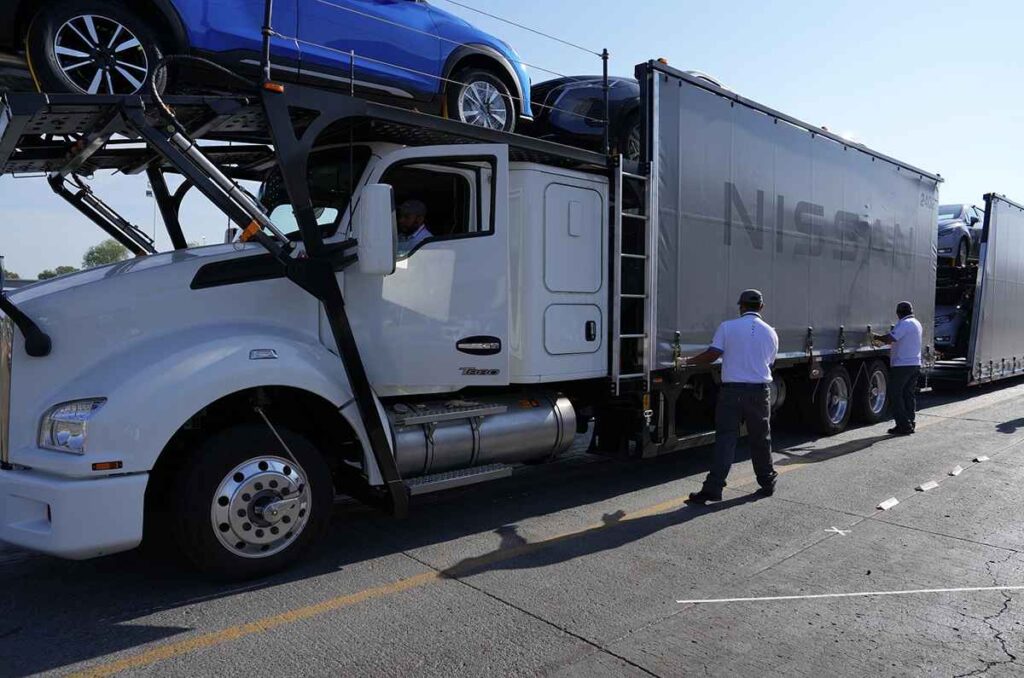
<point x="376" y="228"/>
<point x="974" y="220"/>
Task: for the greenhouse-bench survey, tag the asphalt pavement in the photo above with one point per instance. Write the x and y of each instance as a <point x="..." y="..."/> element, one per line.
<point x="578" y="567"/>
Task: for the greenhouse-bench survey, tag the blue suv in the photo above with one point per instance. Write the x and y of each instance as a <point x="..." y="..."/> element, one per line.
<point x="406" y="51"/>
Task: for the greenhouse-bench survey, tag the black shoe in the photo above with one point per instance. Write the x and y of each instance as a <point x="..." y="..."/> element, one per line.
<point x="897" y="431"/>
<point x="703" y="497"/>
<point x="766" y="490"/>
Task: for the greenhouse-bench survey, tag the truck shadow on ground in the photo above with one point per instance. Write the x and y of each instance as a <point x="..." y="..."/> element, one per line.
<point x="106" y="601"/>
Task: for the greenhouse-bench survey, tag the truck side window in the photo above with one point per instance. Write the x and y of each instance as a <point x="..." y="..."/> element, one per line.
<point x="447" y="196"/>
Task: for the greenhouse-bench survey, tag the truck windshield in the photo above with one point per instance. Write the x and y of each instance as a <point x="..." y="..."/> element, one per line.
<point x="333" y="175"/>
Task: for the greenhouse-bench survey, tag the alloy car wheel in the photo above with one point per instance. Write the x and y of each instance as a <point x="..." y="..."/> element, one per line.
<point x="100" y="56"/>
<point x="93" y="47"/>
<point x="479" y="98"/>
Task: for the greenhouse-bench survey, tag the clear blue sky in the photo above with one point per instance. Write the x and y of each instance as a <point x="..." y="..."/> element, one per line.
<point x="936" y="84"/>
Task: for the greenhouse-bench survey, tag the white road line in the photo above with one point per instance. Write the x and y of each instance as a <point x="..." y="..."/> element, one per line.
<point x="861" y="594"/>
<point x="841" y="533"/>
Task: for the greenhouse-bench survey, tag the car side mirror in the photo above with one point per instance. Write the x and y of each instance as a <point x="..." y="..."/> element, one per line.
<point x="974" y="220"/>
<point x="376" y="229"/>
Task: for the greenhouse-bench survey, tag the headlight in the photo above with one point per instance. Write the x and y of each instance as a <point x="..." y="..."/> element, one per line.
<point x="64" y="427"/>
<point x="942" y="340"/>
<point x="945" y="250"/>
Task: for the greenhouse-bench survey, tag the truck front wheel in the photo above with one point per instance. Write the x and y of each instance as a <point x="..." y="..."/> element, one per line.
<point x="246" y="507"/>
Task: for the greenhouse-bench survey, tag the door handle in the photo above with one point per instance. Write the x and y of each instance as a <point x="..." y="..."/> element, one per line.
<point x="479" y="346"/>
<point x="591" y="330"/>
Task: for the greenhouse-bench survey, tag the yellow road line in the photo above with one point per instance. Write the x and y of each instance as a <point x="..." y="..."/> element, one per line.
<point x="231" y="633"/>
<point x="179" y="648"/>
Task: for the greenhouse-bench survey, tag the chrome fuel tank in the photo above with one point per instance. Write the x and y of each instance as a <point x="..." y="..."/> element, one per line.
<point x="437" y="436"/>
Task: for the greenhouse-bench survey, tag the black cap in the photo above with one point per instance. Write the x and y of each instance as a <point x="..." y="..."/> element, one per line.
<point x="751" y="298"/>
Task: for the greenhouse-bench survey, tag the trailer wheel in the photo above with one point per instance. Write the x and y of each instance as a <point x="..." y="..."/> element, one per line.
<point x="92" y="47"/>
<point x="831" y="402"/>
<point x="871" y="396"/>
<point x="243" y="507"/>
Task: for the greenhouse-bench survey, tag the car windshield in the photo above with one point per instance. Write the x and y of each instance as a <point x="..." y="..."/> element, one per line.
<point x="333" y="175"/>
<point x="950" y="211"/>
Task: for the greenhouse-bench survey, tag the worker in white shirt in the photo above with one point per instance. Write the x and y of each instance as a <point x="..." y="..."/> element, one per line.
<point x="748" y="347"/>
<point x="412" y="226"/>
<point x="904" y="367"/>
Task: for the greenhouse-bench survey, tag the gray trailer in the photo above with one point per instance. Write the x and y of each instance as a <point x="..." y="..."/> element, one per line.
<point x="995" y="297"/>
<point x="740" y="196"/>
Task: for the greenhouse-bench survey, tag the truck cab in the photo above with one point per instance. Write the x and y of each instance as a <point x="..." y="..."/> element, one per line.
<point x="165" y="366"/>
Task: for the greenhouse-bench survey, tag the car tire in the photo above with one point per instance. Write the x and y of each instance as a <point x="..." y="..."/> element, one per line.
<point x="244" y="469"/>
<point x="871" y="396"/>
<point x="94" y="47"/>
<point x="480" y="98"/>
<point x="631" y="138"/>
<point x="829" y="402"/>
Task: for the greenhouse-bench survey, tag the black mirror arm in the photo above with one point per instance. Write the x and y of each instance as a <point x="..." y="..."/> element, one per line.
<point x="37" y="342"/>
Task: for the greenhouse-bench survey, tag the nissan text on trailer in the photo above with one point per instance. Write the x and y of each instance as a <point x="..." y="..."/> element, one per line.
<point x="222" y="396"/>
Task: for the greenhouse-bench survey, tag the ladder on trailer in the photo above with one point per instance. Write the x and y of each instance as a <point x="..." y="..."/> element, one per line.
<point x="632" y="300"/>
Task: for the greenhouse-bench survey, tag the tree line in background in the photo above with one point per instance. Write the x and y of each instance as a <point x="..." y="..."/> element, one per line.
<point x="107" y="252"/>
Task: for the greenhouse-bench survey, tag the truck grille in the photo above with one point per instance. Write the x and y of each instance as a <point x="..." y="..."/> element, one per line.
<point x="6" y="352"/>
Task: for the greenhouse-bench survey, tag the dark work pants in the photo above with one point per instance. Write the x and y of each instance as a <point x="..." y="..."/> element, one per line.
<point x="904" y="395"/>
<point x="742" y="403"/>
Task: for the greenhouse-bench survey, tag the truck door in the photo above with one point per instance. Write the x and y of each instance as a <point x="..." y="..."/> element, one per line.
<point x="441" y="321"/>
<point x="397" y="52"/>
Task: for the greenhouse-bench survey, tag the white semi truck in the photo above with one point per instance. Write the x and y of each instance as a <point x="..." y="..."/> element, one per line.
<point x="224" y="396"/>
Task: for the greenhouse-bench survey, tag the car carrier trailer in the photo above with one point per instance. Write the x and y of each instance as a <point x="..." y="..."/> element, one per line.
<point x="222" y="396"/>
<point x="993" y="292"/>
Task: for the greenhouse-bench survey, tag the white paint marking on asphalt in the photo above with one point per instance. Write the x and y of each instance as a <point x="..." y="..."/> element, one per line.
<point x="861" y="594"/>
<point x="888" y="504"/>
<point x="980" y="460"/>
<point x="924" y="487"/>
<point x="956" y="471"/>
<point x="841" y="533"/>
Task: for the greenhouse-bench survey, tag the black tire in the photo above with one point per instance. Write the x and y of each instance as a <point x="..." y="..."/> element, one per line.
<point x="826" y="415"/>
<point x="962" y="252"/>
<point x="193" y="496"/>
<point x="871" y="397"/>
<point x="463" y="95"/>
<point x="631" y="138"/>
<point x="104" y="45"/>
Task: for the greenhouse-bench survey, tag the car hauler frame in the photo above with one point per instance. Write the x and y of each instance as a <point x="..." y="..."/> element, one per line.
<point x="996" y="347"/>
<point x="731" y="195"/>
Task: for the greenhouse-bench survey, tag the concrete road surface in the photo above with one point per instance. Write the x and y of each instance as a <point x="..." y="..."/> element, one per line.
<point x="577" y="568"/>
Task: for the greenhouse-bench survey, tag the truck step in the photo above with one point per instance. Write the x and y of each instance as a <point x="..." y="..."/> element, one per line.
<point x="405" y="415"/>
<point x="461" y="478"/>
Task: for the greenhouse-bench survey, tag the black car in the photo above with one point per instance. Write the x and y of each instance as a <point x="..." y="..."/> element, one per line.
<point x="571" y="111"/>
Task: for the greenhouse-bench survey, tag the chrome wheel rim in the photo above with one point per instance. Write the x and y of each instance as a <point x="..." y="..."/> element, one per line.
<point x="482" y="104"/>
<point x="261" y="507"/>
<point x="876" y="392"/>
<point x="838" y="401"/>
<point x="98" y="55"/>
